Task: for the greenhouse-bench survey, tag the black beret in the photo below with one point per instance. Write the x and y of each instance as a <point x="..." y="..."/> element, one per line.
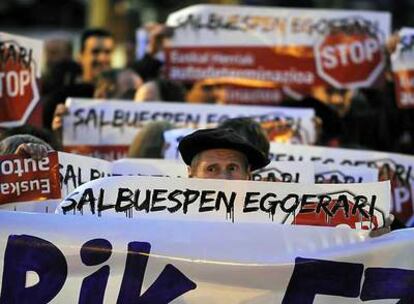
<point x="220" y="138"/>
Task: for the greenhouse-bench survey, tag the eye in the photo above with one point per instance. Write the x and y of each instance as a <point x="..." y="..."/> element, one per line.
<point x="211" y="169"/>
<point x="233" y="168"/>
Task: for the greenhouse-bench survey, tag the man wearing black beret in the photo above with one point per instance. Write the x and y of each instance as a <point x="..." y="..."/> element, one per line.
<point x="220" y="154"/>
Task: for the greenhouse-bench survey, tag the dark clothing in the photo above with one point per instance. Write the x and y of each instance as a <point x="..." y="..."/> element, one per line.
<point x="148" y="67"/>
<point x="51" y="100"/>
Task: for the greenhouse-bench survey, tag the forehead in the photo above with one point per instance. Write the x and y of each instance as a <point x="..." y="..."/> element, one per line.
<point x="98" y="42"/>
<point x="221" y="156"/>
<point x="55" y="44"/>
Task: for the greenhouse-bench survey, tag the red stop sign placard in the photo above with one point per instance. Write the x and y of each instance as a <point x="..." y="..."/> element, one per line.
<point x="19" y="91"/>
<point x="349" y="60"/>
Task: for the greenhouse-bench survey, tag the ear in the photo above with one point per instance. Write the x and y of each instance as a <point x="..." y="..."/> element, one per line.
<point x="249" y="173"/>
<point x="190" y="172"/>
<point x="79" y="57"/>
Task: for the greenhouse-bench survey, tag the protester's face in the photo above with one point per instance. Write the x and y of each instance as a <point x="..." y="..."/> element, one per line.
<point x="220" y="164"/>
<point x="96" y="57"/>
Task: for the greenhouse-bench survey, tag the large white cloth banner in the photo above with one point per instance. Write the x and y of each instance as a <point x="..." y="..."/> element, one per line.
<point x="359" y="206"/>
<point x="47" y="258"/>
<point x="392" y="166"/>
<point x="105" y="129"/>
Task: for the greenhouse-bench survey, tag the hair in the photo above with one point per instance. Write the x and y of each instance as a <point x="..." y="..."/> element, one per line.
<point x="58" y="96"/>
<point x="10" y="144"/>
<point x="63" y="73"/>
<point x="170" y="90"/>
<point x="149" y="141"/>
<point x="250" y="130"/>
<point x="93" y="32"/>
<point x="62" y="39"/>
<point x="29" y="131"/>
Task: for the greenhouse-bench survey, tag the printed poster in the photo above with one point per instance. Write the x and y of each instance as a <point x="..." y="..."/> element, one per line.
<point x="402" y="64"/>
<point x="391" y="166"/>
<point x="296" y="50"/>
<point x="105" y="129"/>
<point x="26" y="179"/>
<point x="20" y="63"/>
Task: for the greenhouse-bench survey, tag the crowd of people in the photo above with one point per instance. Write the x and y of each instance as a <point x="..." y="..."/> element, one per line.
<point x="364" y="118"/>
<point x="233" y="149"/>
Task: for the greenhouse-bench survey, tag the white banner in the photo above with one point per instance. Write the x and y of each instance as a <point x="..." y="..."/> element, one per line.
<point x="109" y="127"/>
<point x="75" y="170"/>
<point x="338" y="174"/>
<point x="172" y="138"/>
<point x="205" y="25"/>
<point x="286" y="131"/>
<point x="392" y="166"/>
<point x="149" y="167"/>
<point x="359" y="206"/>
<point x="287" y="172"/>
<point x="47" y="258"/>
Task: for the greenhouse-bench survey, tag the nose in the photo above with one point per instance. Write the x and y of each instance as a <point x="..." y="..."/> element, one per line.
<point x="222" y="175"/>
<point x="337" y="99"/>
<point x="104" y="56"/>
